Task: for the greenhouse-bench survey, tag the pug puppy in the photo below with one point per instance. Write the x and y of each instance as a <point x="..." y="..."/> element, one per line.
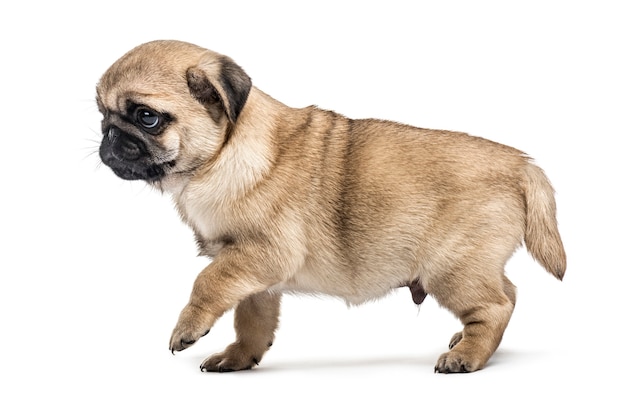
<point x="306" y="200"/>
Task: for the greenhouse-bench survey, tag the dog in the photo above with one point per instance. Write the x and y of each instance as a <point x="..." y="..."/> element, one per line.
<point x="286" y="200"/>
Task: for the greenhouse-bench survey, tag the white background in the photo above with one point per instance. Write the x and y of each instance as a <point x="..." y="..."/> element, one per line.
<point x="94" y="270"/>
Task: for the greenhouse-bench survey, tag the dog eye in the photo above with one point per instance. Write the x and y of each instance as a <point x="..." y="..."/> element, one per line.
<point x="147" y="118"/>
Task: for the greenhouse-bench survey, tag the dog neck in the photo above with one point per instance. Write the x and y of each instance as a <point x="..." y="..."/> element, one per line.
<point x="239" y="166"/>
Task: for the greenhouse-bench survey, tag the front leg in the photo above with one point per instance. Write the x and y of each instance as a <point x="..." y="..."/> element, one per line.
<point x="256" y="319"/>
<point x="219" y="287"/>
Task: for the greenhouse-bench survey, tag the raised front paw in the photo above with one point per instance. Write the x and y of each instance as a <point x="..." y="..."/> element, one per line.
<point x="193" y="323"/>
<point x="235" y="358"/>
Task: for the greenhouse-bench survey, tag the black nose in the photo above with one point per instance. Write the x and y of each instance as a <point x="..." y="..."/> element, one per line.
<point x="112" y="133"/>
<point x="123" y="145"/>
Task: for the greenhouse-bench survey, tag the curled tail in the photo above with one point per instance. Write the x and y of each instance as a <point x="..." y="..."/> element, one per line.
<point x="542" y="235"/>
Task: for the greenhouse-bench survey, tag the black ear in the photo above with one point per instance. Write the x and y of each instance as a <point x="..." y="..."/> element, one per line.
<point x="221" y="85"/>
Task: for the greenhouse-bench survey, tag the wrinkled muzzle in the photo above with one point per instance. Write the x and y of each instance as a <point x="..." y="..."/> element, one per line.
<point x="128" y="156"/>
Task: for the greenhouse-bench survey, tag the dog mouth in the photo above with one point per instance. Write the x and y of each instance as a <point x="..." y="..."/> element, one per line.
<point x="150" y="173"/>
<point x="130" y="159"/>
<point x="137" y="170"/>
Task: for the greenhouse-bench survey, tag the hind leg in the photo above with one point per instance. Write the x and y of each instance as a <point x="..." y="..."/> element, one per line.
<point x="484" y="307"/>
<point x="509" y="290"/>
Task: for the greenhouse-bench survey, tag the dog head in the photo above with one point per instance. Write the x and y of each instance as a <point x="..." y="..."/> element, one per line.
<point x="168" y="107"/>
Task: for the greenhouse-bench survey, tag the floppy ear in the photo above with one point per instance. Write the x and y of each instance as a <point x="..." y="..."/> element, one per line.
<point x="220" y="85"/>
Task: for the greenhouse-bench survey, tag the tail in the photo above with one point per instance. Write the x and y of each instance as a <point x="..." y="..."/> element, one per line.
<point x="542" y="235"/>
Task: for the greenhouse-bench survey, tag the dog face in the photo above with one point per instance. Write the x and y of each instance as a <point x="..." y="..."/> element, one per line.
<point x="167" y="109"/>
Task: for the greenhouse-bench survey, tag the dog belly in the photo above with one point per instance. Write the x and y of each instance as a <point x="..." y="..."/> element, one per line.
<point x="354" y="298"/>
<point x="352" y="287"/>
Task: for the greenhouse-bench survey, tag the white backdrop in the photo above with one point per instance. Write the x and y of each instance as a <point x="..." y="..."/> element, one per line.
<point x="94" y="270"/>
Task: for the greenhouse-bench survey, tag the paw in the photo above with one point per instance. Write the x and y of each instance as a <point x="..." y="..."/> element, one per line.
<point x="456" y="338"/>
<point x="192" y="324"/>
<point x="457" y="362"/>
<point x="235" y="358"/>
